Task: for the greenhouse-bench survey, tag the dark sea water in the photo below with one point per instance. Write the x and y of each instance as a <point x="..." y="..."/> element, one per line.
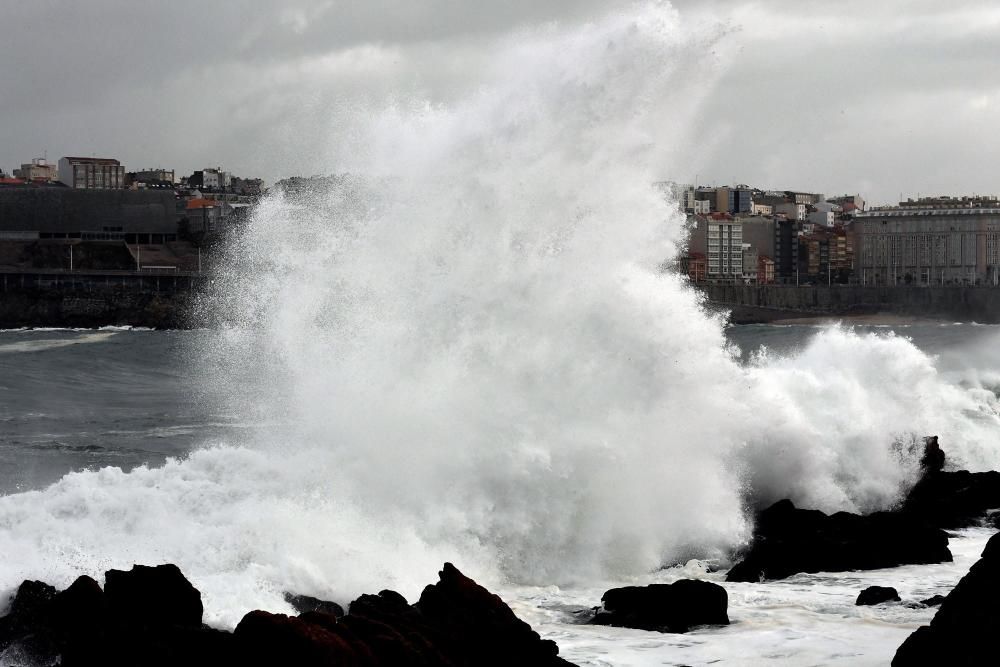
<point x="84" y="399"/>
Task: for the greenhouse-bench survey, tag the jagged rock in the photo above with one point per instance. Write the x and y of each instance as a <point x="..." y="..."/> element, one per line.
<point x="675" y="607"/>
<point x="788" y="540"/>
<point x="27" y="624"/>
<point x="876" y="595"/>
<point x="158" y="595"/>
<point x="964" y="629"/>
<point x="151" y="616"/>
<point x="481" y="624"/>
<point x="933" y="458"/>
<point x="933" y="601"/>
<point x="954" y="499"/>
<point x="275" y="639"/>
<point x="304" y="603"/>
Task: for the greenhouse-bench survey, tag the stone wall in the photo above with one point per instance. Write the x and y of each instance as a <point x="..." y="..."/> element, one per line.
<point x="769" y="302"/>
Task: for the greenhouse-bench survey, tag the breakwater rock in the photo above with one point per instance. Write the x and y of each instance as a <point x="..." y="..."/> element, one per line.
<point x="788" y="540"/>
<point x="675" y="607"/>
<point x="963" y="632"/>
<point x="153" y="616"/>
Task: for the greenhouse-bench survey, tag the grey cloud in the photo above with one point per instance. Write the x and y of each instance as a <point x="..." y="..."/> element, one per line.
<point x="880" y="97"/>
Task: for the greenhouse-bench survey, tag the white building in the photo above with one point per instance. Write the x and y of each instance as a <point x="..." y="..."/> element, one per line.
<point x="721" y="241"/>
<point x="38" y="170"/>
<point x="91" y="173"/>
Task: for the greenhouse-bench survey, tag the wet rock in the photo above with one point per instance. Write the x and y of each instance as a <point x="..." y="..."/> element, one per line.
<point x="954" y="499"/>
<point x="151" y="596"/>
<point x="876" y="595"/>
<point x="788" y="540"/>
<point x="933" y="601"/>
<point x="481" y="625"/>
<point x="963" y="630"/>
<point x="151" y="616"/>
<point x="27" y="627"/>
<point x="933" y="458"/>
<point x="304" y="604"/>
<point x="275" y="639"/>
<point x="675" y="607"/>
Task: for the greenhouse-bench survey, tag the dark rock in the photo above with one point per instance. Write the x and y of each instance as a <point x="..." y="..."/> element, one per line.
<point x="933" y="458"/>
<point x="954" y="499"/>
<point x="28" y="623"/>
<point x="481" y="625"/>
<point x="152" y="596"/>
<point x="675" y="607"/>
<point x="304" y="603"/>
<point x="963" y="630"/>
<point x="876" y="595"/>
<point x="788" y="540"/>
<point x="275" y="639"/>
<point x="933" y="601"/>
<point x="151" y="616"/>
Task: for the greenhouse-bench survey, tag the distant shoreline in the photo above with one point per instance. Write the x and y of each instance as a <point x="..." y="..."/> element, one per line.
<point x="781" y="304"/>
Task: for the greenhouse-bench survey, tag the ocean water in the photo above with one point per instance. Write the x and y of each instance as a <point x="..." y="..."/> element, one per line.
<point x="466" y="349"/>
<point x="89" y="418"/>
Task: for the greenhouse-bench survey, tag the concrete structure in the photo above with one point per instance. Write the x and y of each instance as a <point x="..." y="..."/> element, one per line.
<point x="791" y="210"/>
<point x="827" y="256"/>
<point x="719" y="237"/>
<point x="761" y="209"/>
<point x="153" y="175"/>
<point x="765" y="270"/>
<point x="767" y="303"/>
<point x="90" y="173"/>
<point x="849" y="203"/>
<point x="932" y="245"/>
<point x="702" y="207"/>
<point x="38" y="171"/>
<point x="821" y="218"/>
<point x="759" y="233"/>
<point x="136" y="215"/>
<point x="210" y="179"/>
<point x="751" y="261"/>
<point x="786" y="251"/>
<point x="695" y="265"/>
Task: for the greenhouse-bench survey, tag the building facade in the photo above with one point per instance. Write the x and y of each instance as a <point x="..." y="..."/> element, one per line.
<point x="38" y="171"/>
<point x="719" y="237"/>
<point x="91" y="173"/>
<point x="928" y="245"/>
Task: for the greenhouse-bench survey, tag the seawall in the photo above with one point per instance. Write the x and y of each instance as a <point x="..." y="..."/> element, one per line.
<point x="96" y="299"/>
<point x="767" y="303"/>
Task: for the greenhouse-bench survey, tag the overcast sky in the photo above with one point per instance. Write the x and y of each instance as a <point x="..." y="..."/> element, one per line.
<point x="877" y="98"/>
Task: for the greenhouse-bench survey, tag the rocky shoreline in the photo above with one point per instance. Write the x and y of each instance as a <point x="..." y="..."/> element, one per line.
<point x="153" y="615"/>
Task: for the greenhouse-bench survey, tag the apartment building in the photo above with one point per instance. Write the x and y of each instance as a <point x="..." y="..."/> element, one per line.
<point x="91" y="173"/>
<point x="955" y="243"/>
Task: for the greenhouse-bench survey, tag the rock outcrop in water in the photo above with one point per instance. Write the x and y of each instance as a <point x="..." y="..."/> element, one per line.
<point x="788" y="540"/>
<point x="675" y="607"/>
<point x="152" y="616"/>
<point x="954" y="499"/>
<point x="876" y="595"/>
<point x="951" y="499"/>
<point x="963" y="632"/>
